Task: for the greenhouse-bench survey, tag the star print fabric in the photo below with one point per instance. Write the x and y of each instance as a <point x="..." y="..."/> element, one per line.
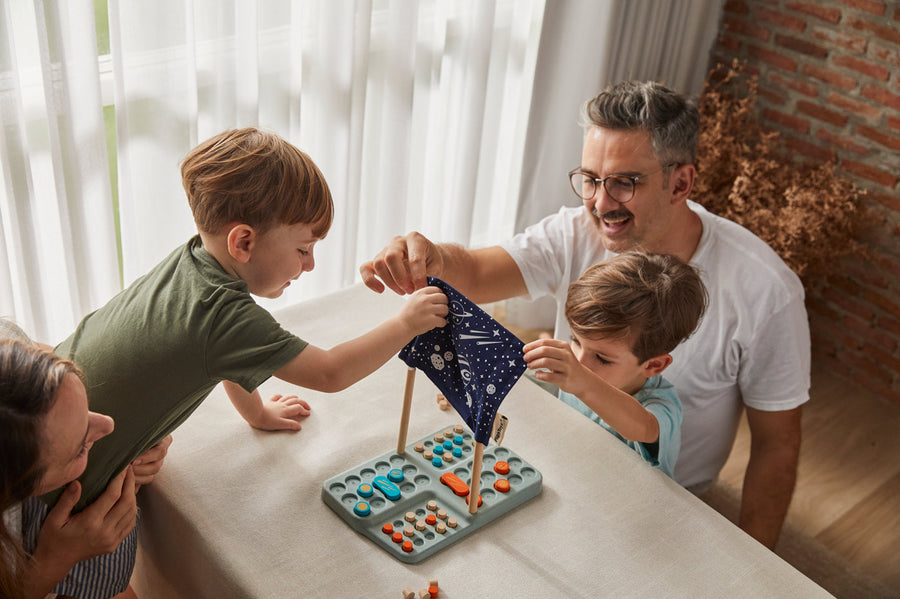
<point x="473" y="360"/>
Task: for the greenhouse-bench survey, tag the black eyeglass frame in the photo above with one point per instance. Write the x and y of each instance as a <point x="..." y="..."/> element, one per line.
<point x="632" y="180"/>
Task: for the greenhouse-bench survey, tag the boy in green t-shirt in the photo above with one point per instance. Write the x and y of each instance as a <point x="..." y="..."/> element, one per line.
<point x="158" y="348"/>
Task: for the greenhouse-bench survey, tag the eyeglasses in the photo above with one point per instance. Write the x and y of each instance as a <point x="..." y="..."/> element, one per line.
<point x="618" y="187"/>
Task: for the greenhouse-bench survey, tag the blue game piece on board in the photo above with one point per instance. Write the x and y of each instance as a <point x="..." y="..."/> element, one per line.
<point x="448" y="445"/>
<point x="395" y="475"/>
<point x="390" y="490"/>
<point x="458" y="440"/>
<point x="365" y="490"/>
<point x="362" y="509"/>
<point x="457" y="452"/>
<point x="437" y="461"/>
<point x="438" y="449"/>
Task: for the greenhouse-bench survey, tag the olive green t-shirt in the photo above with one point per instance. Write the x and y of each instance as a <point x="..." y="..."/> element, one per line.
<point x="158" y="348"/>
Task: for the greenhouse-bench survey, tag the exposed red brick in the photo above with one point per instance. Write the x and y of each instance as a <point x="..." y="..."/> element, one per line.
<point x="886" y="53"/>
<point x="745" y="28"/>
<point x="814" y="304"/>
<point x="889" y="201"/>
<point x="818" y="111"/>
<point x="801" y="46"/>
<point x="854" y="107"/>
<point x="869" y="172"/>
<point x="879" y="94"/>
<point x="828" y="76"/>
<point x="807" y="89"/>
<point x="841" y="39"/>
<point x="870" y="368"/>
<point x="843" y="143"/>
<point x="738" y="7"/>
<point x="780" y="19"/>
<point x="845" y="284"/>
<point x="881" y="357"/>
<point x="728" y="42"/>
<point x="879" y="137"/>
<point x="890" y="325"/>
<point x="791" y="122"/>
<point x="810" y="150"/>
<point x="876" y="8"/>
<point x="885" y="32"/>
<point x="848" y="303"/>
<point x="881" y="301"/>
<point x="837" y="333"/>
<point x="893" y="122"/>
<point x="773" y="96"/>
<point x="830" y="15"/>
<point x="863" y="66"/>
<point x="776" y="59"/>
<point x="888" y="394"/>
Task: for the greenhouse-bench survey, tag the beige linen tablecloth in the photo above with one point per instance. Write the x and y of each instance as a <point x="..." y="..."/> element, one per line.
<point x="238" y="513"/>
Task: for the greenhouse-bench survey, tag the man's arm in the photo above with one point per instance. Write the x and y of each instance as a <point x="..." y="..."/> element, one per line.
<point x="771" y="472"/>
<point x="483" y="275"/>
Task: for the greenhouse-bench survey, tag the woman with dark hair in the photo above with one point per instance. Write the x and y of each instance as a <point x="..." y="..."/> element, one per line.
<point x="46" y="431"/>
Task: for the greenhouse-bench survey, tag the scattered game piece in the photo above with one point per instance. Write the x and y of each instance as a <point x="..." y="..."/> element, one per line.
<point x="444" y="405"/>
<point x="424" y="594"/>
<point x="432" y="582"/>
<point x="408" y="593"/>
<point x="432" y="590"/>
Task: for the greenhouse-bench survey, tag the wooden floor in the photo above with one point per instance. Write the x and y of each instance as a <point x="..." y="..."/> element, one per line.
<point x="848" y="488"/>
<point x="843" y="527"/>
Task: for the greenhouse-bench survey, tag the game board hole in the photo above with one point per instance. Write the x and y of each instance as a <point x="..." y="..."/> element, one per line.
<point x="422" y="480"/>
<point x="352" y="481"/>
<point x="529" y="472"/>
<point x="376" y="502"/>
<point x="409" y="470"/>
<point x="397" y="460"/>
<point x="382" y="466"/>
<point x="337" y="488"/>
<point x="487" y="494"/>
<point x="461" y="472"/>
<point x="515" y="462"/>
<point x="515" y="479"/>
<point x="349" y="498"/>
<point x="487" y="478"/>
<point x="418" y="541"/>
<point x="367" y="473"/>
<point x="501" y="453"/>
<point x="487" y="462"/>
<point x="407" y="487"/>
<point x="429" y="535"/>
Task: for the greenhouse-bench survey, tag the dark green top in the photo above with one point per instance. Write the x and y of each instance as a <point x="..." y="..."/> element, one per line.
<point x="158" y="348"/>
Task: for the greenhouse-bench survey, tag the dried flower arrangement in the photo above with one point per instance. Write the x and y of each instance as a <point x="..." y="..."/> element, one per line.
<point x="808" y="214"/>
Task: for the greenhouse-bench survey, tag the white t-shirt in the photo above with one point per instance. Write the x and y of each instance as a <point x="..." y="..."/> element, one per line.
<point x="751" y="348"/>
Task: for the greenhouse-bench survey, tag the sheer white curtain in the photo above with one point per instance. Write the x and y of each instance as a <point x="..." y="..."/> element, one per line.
<point x="415" y="112"/>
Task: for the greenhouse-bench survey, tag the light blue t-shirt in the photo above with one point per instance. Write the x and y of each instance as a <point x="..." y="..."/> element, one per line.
<point x="658" y="397"/>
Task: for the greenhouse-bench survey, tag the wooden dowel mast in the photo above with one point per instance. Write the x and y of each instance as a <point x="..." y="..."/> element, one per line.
<point x="475" y="483"/>
<point x="407" y="405"/>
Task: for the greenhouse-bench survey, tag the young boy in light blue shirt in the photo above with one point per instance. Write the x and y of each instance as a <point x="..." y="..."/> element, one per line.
<point x="626" y="314"/>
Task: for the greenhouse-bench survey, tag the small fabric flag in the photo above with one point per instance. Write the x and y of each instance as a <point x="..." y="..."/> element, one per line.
<point x="473" y="360"/>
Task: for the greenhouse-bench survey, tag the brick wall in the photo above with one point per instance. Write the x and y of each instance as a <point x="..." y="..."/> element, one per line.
<point x="829" y="73"/>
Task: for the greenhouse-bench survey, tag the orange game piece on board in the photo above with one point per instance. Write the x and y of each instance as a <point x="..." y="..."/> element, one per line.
<point x="455" y="483"/>
<point x="430" y="519"/>
<point x="407" y="546"/>
<point x="480" y="500"/>
<point x="501" y="467"/>
<point x="502" y="485"/>
<point x="387" y="528"/>
<point x="397" y="537"/>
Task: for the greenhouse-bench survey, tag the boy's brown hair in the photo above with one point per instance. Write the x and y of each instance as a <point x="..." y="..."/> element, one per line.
<point x="257" y="178"/>
<point x="654" y="299"/>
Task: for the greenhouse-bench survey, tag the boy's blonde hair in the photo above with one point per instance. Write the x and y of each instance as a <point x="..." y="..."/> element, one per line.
<point x="256" y="178"/>
<point x="654" y="299"/>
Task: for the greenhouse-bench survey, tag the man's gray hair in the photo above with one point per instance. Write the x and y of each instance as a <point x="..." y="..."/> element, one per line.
<point x="671" y="119"/>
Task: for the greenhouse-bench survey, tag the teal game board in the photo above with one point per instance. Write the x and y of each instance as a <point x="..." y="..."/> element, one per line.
<point x="414" y="505"/>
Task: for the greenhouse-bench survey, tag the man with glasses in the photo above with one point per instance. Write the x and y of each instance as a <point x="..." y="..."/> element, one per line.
<point x="750" y="352"/>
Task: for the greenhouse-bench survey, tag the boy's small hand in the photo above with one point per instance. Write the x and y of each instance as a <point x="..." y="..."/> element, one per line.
<point x="424" y="310"/>
<point x="554" y="362"/>
<point x="282" y="412"/>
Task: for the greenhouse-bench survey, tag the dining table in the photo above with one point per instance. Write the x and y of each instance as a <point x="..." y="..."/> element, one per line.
<point x="240" y="513"/>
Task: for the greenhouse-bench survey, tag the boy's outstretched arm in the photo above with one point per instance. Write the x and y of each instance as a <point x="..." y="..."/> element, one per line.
<point x="343" y="365"/>
<point x="279" y="413"/>
<point x="618" y="409"/>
